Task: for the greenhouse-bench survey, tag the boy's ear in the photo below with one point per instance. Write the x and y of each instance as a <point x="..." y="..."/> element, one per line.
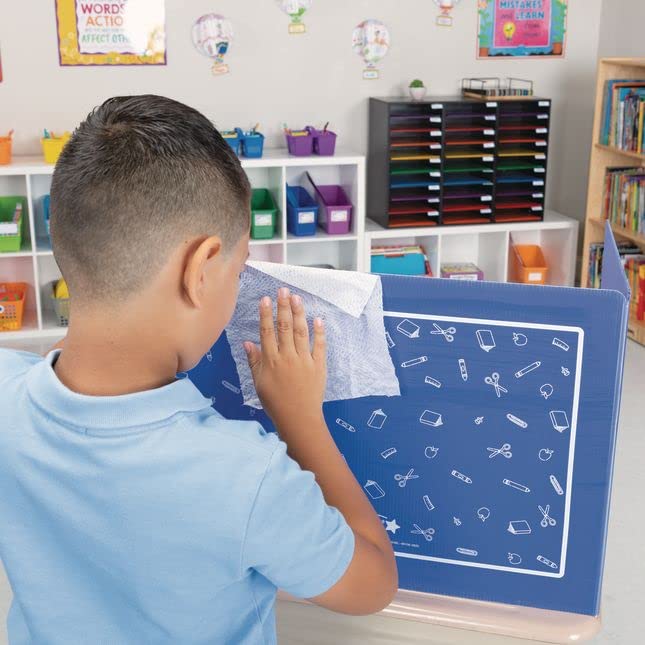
<point x="195" y="271"/>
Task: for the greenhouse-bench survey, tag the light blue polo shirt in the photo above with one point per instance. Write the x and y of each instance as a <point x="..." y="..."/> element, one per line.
<point x="150" y="519"/>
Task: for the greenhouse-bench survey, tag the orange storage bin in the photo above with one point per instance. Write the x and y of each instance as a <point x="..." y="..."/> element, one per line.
<point x="528" y="264"/>
<point x="5" y="151"/>
<point x="12" y="304"/>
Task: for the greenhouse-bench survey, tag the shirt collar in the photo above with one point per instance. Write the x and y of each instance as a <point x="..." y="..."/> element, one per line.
<point x="110" y="412"/>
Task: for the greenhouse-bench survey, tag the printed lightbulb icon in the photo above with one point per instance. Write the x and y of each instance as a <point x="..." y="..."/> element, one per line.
<point x="483" y="513"/>
<point x="509" y="30"/>
<point x="546" y="390"/>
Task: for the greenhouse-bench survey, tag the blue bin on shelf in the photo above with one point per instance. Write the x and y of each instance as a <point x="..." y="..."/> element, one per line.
<point x="232" y="137"/>
<point x="302" y="211"/>
<point x="46" y="201"/>
<point x="252" y="143"/>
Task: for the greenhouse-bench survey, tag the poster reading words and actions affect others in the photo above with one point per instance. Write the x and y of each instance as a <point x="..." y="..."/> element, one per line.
<point x="118" y="32"/>
<point x="522" y="27"/>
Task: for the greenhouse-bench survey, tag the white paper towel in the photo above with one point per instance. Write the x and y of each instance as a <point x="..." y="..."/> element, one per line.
<point x="350" y="303"/>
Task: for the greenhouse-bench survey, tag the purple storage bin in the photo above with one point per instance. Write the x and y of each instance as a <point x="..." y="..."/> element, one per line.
<point x="335" y="212"/>
<point x="324" y="141"/>
<point x="302" y="146"/>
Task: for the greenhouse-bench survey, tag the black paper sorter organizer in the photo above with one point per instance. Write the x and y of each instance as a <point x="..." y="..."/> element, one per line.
<point x="450" y="161"/>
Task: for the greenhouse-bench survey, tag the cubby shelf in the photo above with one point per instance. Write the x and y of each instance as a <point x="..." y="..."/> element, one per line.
<point x="30" y="177"/>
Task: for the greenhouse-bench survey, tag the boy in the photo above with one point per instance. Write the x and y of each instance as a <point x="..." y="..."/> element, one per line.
<point x="130" y="511"/>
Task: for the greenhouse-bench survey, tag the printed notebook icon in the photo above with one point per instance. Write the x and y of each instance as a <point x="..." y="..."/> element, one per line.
<point x="409" y="329"/>
<point x="559" y="420"/>
<point x="373" y="489"/>
<point x="519" y="527"/>
<point x="377" y="419"/>
<point x="431" y="418"/>
<point x="485" y="339"/>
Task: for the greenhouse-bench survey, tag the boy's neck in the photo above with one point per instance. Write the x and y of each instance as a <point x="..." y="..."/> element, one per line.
<point x="113" y="358"/>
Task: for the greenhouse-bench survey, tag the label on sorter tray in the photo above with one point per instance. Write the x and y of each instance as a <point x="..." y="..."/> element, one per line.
<point x="542" y="116"/>
<point x="541" y="130"/>
<point x="486" y="198"/>
<point x="489" y="132"/>
<point x="435" y="119"/>
<point x="538" y="170"/>
<point x="540" y="156"/>
<point x="432" y="213"/>
<point x="263" y="219"/>
<point x="488" y="158"/>
<point x="434" y="173"/>
<point x="539" y="182"/>
<point x="491" y="104"/>
<point x="490" y="117"/>
<point x="338" y="216"/>
<point x="540" y="144"/>
<point x="308" y="217"/>
<point x="544" y="103"/>
<point x="489" y="145"/>
<point x="433" y="200"/>
<point x="433" y="187"/>
<point x="536" y="208"/>
<point x="436" y="133"/>
<point x="434" y="146"/>
<point x="537" y="195"/>
<point x="437" y="106"/>
<point x="435" y="160"/>
<point x="485" y="211"/>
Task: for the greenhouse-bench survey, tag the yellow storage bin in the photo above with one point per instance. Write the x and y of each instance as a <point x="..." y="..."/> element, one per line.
<point x="53" y="146"/>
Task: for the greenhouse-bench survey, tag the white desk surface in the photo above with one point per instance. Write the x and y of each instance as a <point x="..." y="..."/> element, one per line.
<point x="623" y="589"/>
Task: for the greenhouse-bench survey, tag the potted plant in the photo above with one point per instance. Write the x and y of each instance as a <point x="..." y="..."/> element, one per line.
<point x="417" y="90"/>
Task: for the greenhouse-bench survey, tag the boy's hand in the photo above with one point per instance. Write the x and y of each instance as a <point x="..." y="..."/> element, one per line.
<point x="289" y="377"/>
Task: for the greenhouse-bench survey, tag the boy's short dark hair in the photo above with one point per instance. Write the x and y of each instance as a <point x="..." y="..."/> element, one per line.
<point x="140" y="175"/>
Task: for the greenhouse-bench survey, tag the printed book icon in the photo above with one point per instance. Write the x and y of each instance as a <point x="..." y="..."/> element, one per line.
<point x="409" y="329"/>
<point x="485" y="339"/>
<point x="431" y="418"/>
<point x="373" y="489"/>
<point x="519" y="527"/>
<point x="377" y="419"/>
<point x="559" y="420"/>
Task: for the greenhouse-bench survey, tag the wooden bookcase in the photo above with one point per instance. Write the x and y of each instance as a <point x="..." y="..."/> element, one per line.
<point x="603" y="157"/>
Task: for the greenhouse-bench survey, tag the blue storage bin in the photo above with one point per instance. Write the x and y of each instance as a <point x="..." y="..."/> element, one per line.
<point x="399" y="260"/>
<point x="302" y="211"/>
<point x="252" y="143"/>
<point x="46" y="214"/>
<point x="232" y="137"/>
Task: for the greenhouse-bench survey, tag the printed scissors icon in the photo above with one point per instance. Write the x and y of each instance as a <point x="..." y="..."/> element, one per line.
<point x="427" y="533"/>
<point x="448" y="334"/>
<point x="493" y="380"/>
<point x="547" y="520"/>
<point x="505" y="451"/>
<point x="403" y="479"/>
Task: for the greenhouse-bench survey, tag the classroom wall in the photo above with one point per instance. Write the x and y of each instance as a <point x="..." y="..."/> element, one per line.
<point x="313" y="78"/>
<point x="622" y="28"/>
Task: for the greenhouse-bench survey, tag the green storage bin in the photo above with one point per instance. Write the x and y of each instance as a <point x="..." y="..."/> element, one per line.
<point x="263" y="214"/>
<point x="10" y="243"/>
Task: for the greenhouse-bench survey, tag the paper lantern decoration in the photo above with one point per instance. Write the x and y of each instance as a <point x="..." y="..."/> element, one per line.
<point x="295" y="9"/>
<point x="371" y="41"/>
<point x="212" y="36"/>
<point x="444" y="19"/>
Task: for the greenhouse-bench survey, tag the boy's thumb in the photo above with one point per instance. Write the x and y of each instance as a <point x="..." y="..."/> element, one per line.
<point x="253" y="354"/>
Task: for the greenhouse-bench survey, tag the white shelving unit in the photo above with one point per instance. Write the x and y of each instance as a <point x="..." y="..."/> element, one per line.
<point x="487" y="245"/>
<point x="30" y="177"/>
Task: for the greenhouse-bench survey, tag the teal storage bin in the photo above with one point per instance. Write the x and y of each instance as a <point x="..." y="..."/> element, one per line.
<point x="399" y="260"/>
<point x="263" y="214"/>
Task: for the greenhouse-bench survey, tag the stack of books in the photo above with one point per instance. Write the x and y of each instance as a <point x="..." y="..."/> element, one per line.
<point x="623" y="115"/>
<point x="624" y="198"/>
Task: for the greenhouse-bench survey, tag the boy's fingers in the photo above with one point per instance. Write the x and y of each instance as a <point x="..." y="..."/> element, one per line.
<point x="320" y="344"/>
<point x="285" y="321"/>
<point x="253" y="354"/>
<point x="267" y="331"/>
<point x="300" y="329"/>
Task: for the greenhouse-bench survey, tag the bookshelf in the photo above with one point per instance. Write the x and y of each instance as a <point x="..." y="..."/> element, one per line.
<point x="34" y="263"/>
<point x="603" y="157"/>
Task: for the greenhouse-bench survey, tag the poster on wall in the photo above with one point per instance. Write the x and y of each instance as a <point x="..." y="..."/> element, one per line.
<point x="522" y="28"/>
<point x="121" y="32"/>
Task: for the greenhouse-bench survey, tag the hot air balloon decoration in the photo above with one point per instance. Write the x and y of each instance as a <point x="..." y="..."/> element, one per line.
<point x="371" y="41"/>
<point x="295" y="9"/>
<point x="212" y="36"/>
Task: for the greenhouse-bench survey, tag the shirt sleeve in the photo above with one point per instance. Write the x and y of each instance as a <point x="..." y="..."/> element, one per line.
<point x="293" y="537"/>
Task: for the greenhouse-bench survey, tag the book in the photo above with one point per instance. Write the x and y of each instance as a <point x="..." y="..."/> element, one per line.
<point x="624" y="198"/>
<point x="622" y="115"/>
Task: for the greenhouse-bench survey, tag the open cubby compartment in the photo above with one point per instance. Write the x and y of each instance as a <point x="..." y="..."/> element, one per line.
<point x="487" y="250"/>
<point x="265" y="251"/>
<point x="559" y="247"/>
<point x="337" y="253"/>
<point x="16" y="186"/>
<point x="21" y="269"/>
<point x="343" y="175"/>
<point x="271" y="178"/>
<point x="40" y="186"/>
<point x="48" y="272"/>
<point x="430" y="244"/>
